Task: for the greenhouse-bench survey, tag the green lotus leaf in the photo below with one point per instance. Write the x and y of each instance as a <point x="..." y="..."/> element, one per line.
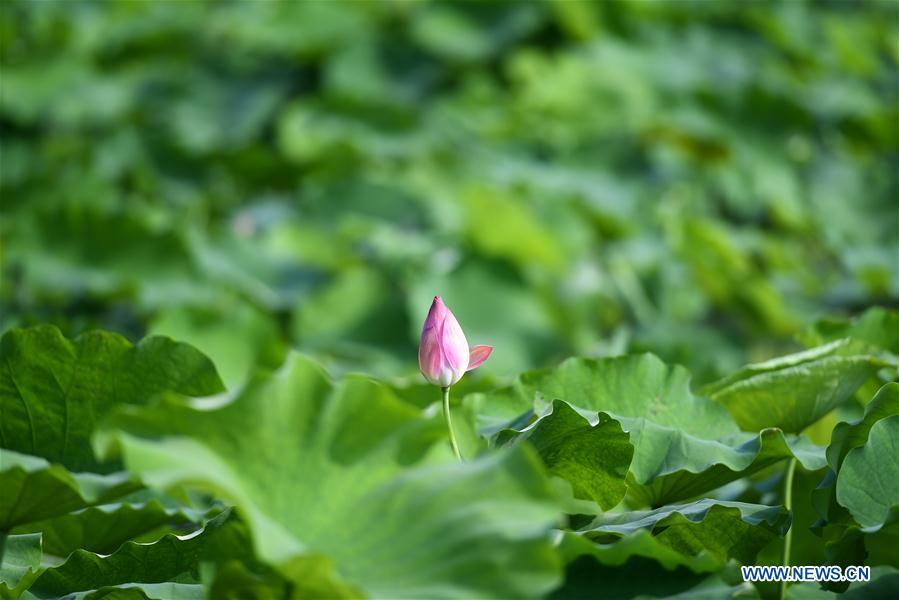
<point x="144" y="591"/>
<point x="164" y="560"/>
<point x="868" y="480"/>
<point x="323" y="470"/>
<point x="794" y="391"/>
<point x="20" y="562"/>
<point x="846" y="541"/>
<point x="33" y="489"/>
<point x="684" y="445"/>
<point x="53" y="391"/>
<point x="884" y="583"/>
<point x="847" y="436"/>
<point x="706" y="534"/>
<point x="640" y="543"/>
<point x="586" y="577"/>
<point x="593" y="458"/>
<point x="102" y="529"/>
<point x="882" y="540"/>
<point x="668" y="552"/>
<point x="877" y="326"/>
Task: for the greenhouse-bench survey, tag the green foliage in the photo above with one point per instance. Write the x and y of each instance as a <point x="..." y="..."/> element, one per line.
<point x="848" y="436"/>
<point x="699" y="180"/>
<point x="876" y="326"/>
<point x="168" y="558"/>
<point x="102" y="529"/>
<point x="793" y="392"/>
<point x="282" y="187"/>
<point x="34" y="489"/>
<point x="684" y="445"/>
<point x="868" y="481"/>
<point x="592" y="458"/>
<point x="857" y="501"/>
<point x="53" y="391"/>
<point x="347" y="488"/>
<point x="150" y="591"/>
<point x="317" y="468"/>
<point x="703" y="535"/>
<point x="20" y="560"/>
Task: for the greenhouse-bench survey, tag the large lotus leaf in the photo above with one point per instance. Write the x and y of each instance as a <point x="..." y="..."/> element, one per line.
<point x="847" y="436"/>
<point x="635" y="386"/>
<point x="164" y="560"/>
<point x="882" y="540"/>
<point x="643" y="578"/>
<point x="706" y="533"/>
<point x="728" y="459"/>
<point x="884" y="584"/>
<point x="312" y="577"/>
<point x="684" y="445"/>
<point x="878" y="326"/>
<point x="718" y="587"/>
<point x="231" y="569"/>
<point x="53" y="391"/>
<point x="102" y="529"/>
<point x="20" y="561"/>
<point x="640" y="543"/>
<point x="304" y="576"/>
<point x="145" y="591"/>
<point x="794" y="391"/>
<point x="868" y="480"/>
<point x="319" y="471"/>
<point x="593" y="458"/>
<point x="846" y="541"/>
<point x="668" y="552"/>
<point x="33" y="489"/>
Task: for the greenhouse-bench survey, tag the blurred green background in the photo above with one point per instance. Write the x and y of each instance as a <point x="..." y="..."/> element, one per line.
<point x="699" y="179"/>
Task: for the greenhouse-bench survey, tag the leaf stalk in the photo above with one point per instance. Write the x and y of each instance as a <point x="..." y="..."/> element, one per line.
<point x="788" y="538"/>
<point x="449" y="422"/>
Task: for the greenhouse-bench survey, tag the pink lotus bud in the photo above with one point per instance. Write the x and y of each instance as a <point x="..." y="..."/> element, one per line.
<point x="443" y="353"/>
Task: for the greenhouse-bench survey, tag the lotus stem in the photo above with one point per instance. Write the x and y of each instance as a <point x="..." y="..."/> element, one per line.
<point x="449" y="422"/>
<point x="788" y="538"/>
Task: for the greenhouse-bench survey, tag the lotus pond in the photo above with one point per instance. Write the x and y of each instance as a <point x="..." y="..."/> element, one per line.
<point x="666" y="345"/>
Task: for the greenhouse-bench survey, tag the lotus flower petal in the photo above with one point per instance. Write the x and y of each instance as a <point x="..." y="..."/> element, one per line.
<point x="478" y="355"/>
<point x="453" y="343"/>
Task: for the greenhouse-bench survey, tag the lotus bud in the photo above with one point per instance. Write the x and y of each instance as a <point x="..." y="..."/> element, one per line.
<point x="443" y="353"/>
